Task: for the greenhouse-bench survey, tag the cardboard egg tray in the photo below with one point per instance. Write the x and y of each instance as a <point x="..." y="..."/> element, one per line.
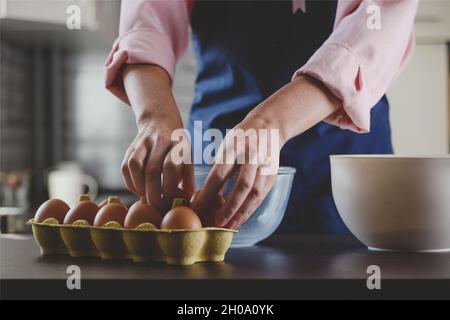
<point x="177" y="247"/>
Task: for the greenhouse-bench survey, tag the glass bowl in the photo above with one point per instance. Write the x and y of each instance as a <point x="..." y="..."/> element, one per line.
<point x="267" y="218"/>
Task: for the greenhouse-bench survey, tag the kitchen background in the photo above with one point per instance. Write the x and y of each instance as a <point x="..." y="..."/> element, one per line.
<point x="56" y="117"/>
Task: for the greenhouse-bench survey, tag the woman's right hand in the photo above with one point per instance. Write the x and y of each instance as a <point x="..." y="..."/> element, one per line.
<point x="150" y="159"/>
<point x="152" y="166"/>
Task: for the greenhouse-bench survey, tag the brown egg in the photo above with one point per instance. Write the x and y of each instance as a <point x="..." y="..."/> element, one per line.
<point x="207" y="213"/>
<point x="181" y="217"/>
<point x="105" y="202"/>
<point x="141" y="212"/>
<point x="113" y="211"/>
<point x="53" y="208"/>
<point x="84" y="210"/>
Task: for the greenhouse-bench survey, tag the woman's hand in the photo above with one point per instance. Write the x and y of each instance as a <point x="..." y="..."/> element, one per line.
<point x="289" y="112"/>
<point x="150" y="167"/>
<point x="240" y="154"/>
<point x="150" y="158"/>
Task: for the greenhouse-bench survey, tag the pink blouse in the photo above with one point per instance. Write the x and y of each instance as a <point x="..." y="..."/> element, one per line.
<point x="357" y="62"/>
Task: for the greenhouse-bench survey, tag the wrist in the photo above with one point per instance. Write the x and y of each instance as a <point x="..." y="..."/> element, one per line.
<point x="159" y="119"/>
<point x="297" y="107"/>
<point x="258" y="119"/>
<point x="144" y="117"/>
<point x="161" y="111"/>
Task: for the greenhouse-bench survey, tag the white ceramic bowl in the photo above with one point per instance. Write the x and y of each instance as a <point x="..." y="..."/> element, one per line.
<point x="393" y="203"/>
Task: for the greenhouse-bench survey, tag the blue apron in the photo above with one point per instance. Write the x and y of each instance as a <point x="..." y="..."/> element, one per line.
<point x="246" y="51"/>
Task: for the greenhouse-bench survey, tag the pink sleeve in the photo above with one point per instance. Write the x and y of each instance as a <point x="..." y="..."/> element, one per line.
<point x="151" y="32"/>
<point x="358" y="63"/>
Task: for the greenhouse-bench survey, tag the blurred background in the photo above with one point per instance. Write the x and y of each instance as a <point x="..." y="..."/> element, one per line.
<point x="59" y="127"/>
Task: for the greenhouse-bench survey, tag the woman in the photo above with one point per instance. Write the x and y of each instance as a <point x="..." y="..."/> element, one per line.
<point x="315" y="70"/>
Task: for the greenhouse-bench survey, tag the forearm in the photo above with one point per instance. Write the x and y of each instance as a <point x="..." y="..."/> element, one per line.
<point x="149" y="157"/>
<point x="150" y="92"/>
<point x="296" y="107"/>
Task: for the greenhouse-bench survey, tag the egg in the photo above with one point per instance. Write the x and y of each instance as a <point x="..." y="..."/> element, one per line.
<point x="209" y="212"/>
<point x="141" y="212"/>
<point x="105" y="202"/>
<point x="113" y="211"/>
<point x="85" y="210"/>
<point x="53" y="208"/>
<point x="181" y="217"/>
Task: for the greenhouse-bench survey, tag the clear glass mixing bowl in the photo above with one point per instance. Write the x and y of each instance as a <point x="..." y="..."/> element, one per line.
<point x="266" y="219"/>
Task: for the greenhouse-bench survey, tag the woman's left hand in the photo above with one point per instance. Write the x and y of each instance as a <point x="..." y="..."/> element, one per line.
<point x="251" y="151"/>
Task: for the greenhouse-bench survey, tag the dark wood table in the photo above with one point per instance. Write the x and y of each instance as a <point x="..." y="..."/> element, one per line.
<point x="284" y="266"/>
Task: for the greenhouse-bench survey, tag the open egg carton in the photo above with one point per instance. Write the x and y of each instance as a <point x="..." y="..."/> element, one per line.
<point x="142" y="242"/>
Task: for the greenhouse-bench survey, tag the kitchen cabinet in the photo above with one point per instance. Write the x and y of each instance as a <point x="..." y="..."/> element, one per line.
<point x="419" y="103"/>
<point x="48" y="11"/>
<point x="433" y="21"/>
<point x="46" y="22"/>
<point x="419" y="98"/>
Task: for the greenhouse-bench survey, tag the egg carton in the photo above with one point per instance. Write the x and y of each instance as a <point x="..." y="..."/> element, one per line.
<point x="175" y="247"/>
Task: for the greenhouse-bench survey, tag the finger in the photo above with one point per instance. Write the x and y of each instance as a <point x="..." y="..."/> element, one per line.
<point x="182" y="154"/>
<point x="188" y="182"/>
<point x="219" y="174"/>
<point x="243" y="185"/>
<point x="126" y="171"/>
<point x="262" y="186"/>
<point x="214" y="182"/>
<point x="153" y="171"/>
<point x="136" y="165"/>
<point x="222" y="170"/>
<point x="172" y="174"/>
<point x="222" y="190"/>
